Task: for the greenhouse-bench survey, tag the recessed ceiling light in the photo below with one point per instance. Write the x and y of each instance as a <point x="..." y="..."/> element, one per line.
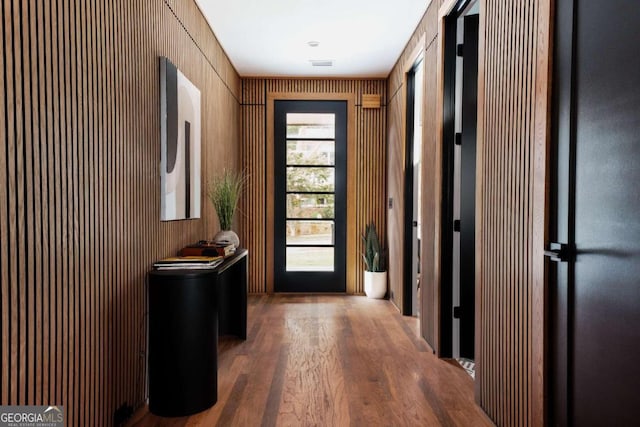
<point x="313" y="43"/>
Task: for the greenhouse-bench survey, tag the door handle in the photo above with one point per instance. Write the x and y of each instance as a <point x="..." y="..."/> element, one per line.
<point x="559" y="252"/>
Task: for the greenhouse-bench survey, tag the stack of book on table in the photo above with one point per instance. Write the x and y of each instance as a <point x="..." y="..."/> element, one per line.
<point x="188" y="262"/>
<point x="204" y="248"/>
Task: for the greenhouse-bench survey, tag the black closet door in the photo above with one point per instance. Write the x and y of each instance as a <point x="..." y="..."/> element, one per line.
<point x="595" y="295"/>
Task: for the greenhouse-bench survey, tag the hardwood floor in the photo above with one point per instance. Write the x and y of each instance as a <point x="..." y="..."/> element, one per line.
<point x="332" y="361"/>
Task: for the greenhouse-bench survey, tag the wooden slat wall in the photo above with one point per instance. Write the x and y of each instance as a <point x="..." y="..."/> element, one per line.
<point x="253" y="220"/>
<point x="513" y="143"/>
<point x="513" y="125"/>
<point x="430" y="293"/>
<point x="79" y="190"/>
<point x="370" y="164"/>
<point x="505" y="274"/>
<point x="427" y="27"/>
<point x="426" y="32"/>
<point x="395" y="192"/>
<point x="200" y="32"/>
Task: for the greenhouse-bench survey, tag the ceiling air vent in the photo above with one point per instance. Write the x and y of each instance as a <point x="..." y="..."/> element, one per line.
<point x="321" y="62"/>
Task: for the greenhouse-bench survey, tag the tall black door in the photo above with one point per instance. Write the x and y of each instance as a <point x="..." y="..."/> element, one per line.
<point x="310" y="150"/>
<point x="468" y="186"/>
<point x="460" y="107"/>
<point x="413" y="188"/>
<point x="595" y="295"/>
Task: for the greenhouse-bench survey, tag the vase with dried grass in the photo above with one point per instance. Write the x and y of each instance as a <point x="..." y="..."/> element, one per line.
<point x="224" y="192"/>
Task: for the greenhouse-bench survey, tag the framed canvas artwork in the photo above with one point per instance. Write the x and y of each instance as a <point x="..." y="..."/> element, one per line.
<point x="180" y="145"/>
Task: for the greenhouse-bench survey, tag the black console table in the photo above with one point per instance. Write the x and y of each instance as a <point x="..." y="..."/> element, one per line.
<point x="232" y="295"/>
<point x="188" y="309"/>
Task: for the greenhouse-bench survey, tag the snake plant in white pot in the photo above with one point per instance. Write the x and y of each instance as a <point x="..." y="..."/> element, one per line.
<point x="375" y="275"/>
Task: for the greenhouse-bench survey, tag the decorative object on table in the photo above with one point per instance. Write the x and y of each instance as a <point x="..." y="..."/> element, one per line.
<point x="225" y="250"/>
<point x="375" y="275"/>
<point x="224" y="192"/>
<point x="206" y="248"/>
<point x="180" y="145"/>
<point x="188" y="262"/>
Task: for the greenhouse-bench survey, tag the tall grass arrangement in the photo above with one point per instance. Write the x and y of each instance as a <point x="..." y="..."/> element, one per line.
<point x="224" y="192"/>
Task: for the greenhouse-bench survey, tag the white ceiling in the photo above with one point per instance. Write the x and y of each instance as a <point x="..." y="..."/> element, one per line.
<point x="363" y="38"/>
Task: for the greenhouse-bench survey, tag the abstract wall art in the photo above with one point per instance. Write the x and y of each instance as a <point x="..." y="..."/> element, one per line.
<point x="180" y="145"/>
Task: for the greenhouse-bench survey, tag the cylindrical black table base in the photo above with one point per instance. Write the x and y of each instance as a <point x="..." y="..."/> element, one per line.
<point x="183" y="336"/>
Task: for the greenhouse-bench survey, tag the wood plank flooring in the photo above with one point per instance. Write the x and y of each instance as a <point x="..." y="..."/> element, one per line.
<point x="332" y="361"/>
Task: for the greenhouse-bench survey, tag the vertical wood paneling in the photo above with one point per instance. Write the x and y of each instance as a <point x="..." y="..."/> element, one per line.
<point x="429" y="309"/>
<point x="395" y="193"/>
<point x="513" y="131"/>
<point x="253" y="155"/>
<point x="541" y="207"/>
<point x="428" y="28"/>
<point x="36" y="302"/>
<point x="188" y="13"/>
<point x="79" y="190"/>
<point x="4" y="258"/>
<point x="47" y="209"/>
<point x="366" y="176"/>
<point x="513" y="108"/>
<point x="425" y="34"/>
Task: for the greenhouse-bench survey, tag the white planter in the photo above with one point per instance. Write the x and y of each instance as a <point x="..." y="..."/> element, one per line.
<point x="227" y="237"/>
<point x="375" y="284"/>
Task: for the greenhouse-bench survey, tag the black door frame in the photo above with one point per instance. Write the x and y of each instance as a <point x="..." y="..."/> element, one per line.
<point x="407" y="268"/>
<point x="562" y="224"/>
<point x="468" y="186"/>
<point x="316" y="281"/>
<point x="446" y="223"/>
<point x="448" y="168"/>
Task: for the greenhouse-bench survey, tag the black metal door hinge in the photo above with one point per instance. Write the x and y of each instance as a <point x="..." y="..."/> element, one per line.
<point x="459" y="49"/>
<point x="456" y="225"/>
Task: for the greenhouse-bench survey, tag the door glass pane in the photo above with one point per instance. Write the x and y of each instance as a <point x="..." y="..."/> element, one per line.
<point x="309" y="232"/>
<point x="310" y="205"/>
<point x="309" y="259"/>
<point x="310" y="179"/>
<point x="311" y="153"/>
<point x="311" y="125"/>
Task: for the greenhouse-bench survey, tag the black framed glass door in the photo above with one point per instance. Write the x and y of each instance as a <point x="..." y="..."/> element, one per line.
<point x="310" y="160"/>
